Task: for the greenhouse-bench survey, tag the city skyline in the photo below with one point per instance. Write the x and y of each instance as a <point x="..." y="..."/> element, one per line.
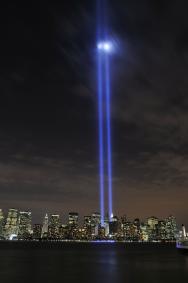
<point x="18" y="225"/>
<point x="64" y="215"/>
<point x="48" y="110"/>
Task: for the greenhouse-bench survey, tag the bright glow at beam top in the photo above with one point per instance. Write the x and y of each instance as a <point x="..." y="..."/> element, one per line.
<point x="105" y="46"/>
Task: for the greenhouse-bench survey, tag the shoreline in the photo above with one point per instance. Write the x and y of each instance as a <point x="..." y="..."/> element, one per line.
<point x="87" y="242"/>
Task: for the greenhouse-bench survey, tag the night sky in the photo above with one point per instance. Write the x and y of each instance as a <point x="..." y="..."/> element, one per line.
<point x="48" y="107"/>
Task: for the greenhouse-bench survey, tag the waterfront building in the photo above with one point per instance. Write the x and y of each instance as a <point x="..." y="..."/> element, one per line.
<point x="37" y="231"/>
<point x="171" y="228"/>
<point x="161" y="230"/>
<point x="45" y="227"/>
<point x="128" y="231"/>
<point x="106" y="228"/>
<point x="123" y="219"/>
<point x="73" y="226"/>
<point x="63" y="232"/>
<point x="95" y="218"/>
<point x="143" y="232"/>
<point x="24" y="224"/>
<point x="53" y="228"/>
<point x="95" y="221"/>
<point x="83" y="234"/>
<point x="114" y="226"/>
<point x="101" y="232"/>
<point x="136" y="228"/>
<point x="88" y="227"/>
<point x="87" y="221"/>
<point x="1" y="223"/>
<point x="11" y="226"/>
<point x="73" y="219"/>
<point x="152" y="223"/>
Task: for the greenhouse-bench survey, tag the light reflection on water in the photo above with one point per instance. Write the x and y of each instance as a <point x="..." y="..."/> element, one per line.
<point x="92" y="263"/>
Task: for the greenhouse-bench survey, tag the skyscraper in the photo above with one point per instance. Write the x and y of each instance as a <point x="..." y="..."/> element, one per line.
<point x="24" y="228"/>
<point x="73" y="218"/>
<point x="161" y="230"/>
<point x="45" y="227"/>
<point x="114" y="226"/>
<point x="152" y="228"/>
<point x="170" y="227"/>
<point x="95" y="220"/>
<point x="87" y="221"/>
<point x="11" y="227"/>
<point x="88" y="226"/>
<point x="73" y="225"/>
<point x="53" y="228"/>
<point x="37" y="230"/>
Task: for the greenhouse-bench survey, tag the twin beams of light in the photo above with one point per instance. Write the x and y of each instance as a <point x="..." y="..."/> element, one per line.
<point x="104" y="48"/>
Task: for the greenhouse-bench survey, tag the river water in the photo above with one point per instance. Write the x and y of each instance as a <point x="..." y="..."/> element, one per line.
<point x="91" y="262"/>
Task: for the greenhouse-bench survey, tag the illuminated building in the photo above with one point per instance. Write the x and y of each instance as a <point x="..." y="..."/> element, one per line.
<point x="11" y="226"/>
<point x="114" y="226"/>
<point x="152" y="223"/>
<point x="101" y="232"/>
<point x="106" y="229"/>
<point x="144" y="233"/>
<point x="88" y="227"/>
<point x="161" y="227"/>
<point x="53" y="228"/>
<point x="123" y="223"/>
<point x="63" y="232"/>
<point x="95" y="218"/>
<point x="87" y="221"/>
<point x="137" y="223"/>
<point x="73" y="226"/>
<point x="92" y="224"/>
<point x="137" y="232"/>
<point x="24" y="224"/>
<point x="82" y="234"/>
<point x="127" y="230"/>
<point x="170" y="228"/>
<point x="1" y="223"/>
<point x="45" y="227"/>
<point x="37" y="231"/>
<point x="73" y="219"/>
<point x="18" y="227"/>
<point x="123" y="219"/>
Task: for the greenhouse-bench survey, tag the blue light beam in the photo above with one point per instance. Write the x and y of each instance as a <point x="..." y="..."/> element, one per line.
<point x="108" y="130"/>
<point x="100" y="118"/>
<point x="101" y="137"/>
<point x="105" y="47"/>
<point x="108" y="49"/>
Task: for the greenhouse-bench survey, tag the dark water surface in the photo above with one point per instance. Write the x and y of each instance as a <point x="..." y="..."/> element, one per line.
<point x="91" y="262"/>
